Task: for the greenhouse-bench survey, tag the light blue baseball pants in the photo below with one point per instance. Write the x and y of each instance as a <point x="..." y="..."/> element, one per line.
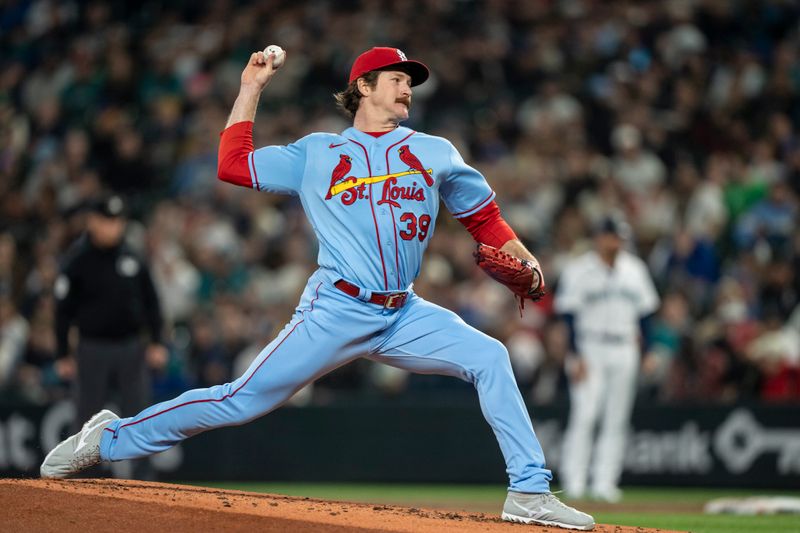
<point x="328" y="330"/>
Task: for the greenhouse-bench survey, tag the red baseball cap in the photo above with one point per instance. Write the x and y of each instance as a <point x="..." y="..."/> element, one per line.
<point x="383" y="57"/>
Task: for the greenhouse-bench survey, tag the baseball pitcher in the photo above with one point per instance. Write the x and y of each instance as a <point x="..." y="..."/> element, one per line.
<point x="372" y="194"/>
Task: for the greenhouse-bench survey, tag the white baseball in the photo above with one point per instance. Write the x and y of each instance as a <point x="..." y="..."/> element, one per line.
<point x="280" y="55"/>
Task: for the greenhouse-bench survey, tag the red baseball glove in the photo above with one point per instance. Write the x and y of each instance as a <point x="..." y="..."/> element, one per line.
<point x="524" y="278"/>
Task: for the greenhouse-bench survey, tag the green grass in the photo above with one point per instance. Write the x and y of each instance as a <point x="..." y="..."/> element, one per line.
<point x="489" y="498"/>
<point x="373" y="492"/>
<point x="700" y="523"/>
<point x="693" y="494"/>
<point x="477" y="498"/>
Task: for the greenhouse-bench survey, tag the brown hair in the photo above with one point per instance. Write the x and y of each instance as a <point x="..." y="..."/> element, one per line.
<point x="349" y="99"/>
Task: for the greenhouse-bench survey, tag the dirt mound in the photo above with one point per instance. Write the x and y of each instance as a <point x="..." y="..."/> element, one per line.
<point x="94" y="505"/>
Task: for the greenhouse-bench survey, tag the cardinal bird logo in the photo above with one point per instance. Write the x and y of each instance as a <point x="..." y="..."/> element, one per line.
<point x="411" y="160"/>
<point x="341" y="170"/>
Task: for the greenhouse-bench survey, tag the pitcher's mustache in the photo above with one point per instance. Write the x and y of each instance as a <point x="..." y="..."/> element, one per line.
<point x="406" y="101"/>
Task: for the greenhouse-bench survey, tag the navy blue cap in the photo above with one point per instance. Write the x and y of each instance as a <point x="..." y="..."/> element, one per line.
<point x="110" y="206"/>
<point x="613" y="225"/>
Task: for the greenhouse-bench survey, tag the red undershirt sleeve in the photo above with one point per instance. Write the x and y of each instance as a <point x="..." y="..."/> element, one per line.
<point x="235" y="146"/>
<point x="488" y="227"/>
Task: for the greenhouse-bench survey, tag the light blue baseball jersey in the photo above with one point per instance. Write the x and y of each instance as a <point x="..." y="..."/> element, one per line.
<point x="373" y="214"/>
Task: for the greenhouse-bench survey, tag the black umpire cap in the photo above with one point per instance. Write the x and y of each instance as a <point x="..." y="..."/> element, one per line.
<point x="613" y="225"/>
<point x="109" y="205"/>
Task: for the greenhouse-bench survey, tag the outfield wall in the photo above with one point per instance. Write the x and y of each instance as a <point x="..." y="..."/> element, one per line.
<point x="742" y="446"/>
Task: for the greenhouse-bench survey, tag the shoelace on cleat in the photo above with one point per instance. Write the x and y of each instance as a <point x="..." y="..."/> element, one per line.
<point x="551" y="498"/>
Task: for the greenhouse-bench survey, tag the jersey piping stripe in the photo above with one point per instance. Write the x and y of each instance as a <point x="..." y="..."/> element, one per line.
<point x="477" y="207"/>
<point x="316" y="297"/>
<point x="251" y="160"/>
<point x="378" y="236"/>
<point x="216" y="400"/>
<point x="391" y="210"/>
<point x="374" y="218"/>
<point x="396" y="248"/>
<point x="213" y="399"/>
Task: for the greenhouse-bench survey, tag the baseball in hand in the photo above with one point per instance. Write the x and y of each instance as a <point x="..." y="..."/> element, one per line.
<point x="280" y="55"/>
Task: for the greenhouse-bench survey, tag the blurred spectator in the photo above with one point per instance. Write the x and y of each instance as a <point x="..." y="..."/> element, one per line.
<point x="9" y="266"/>
<point x="686" y="262"/>
<point x="776" y="353"/>
<point x="13" y="337"/>
<point x="209" y="362"/>
<point x="779" y="296"/>
<point x="639" y="171"/>
<point x="715" y="367"/>
<point x="175" y="277"/>
<point x="668" y="336"/>
<point x="527" y="356"/>
<point x="706" y="213"/>
<point x="769" y="223"/>
<point x="539" y="364"/>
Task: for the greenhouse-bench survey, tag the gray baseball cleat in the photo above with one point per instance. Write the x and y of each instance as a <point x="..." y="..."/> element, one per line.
<point x="79" y="451"/>
<point x="544" y="509"/>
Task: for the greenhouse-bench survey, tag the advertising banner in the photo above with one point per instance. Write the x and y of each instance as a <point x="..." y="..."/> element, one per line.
<point x="743" y="446"/>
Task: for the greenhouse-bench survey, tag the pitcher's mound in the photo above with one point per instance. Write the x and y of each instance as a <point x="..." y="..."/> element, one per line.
<point x="95" y="505"/>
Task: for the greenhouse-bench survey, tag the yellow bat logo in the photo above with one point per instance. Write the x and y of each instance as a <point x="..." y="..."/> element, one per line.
<point x="349" y="183"/>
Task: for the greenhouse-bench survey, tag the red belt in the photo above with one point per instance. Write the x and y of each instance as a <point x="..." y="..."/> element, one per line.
<point x="389" y="301"/>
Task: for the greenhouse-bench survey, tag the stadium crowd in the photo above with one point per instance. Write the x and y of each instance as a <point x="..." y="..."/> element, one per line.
<point x="681" y="116"/>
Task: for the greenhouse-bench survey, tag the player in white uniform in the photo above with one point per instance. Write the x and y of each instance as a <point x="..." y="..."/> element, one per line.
<point x="604" y="296"/>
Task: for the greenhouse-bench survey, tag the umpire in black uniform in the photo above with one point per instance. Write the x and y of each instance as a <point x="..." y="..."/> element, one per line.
<point x="105" y="290"/>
